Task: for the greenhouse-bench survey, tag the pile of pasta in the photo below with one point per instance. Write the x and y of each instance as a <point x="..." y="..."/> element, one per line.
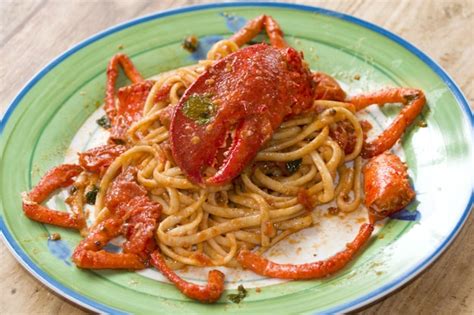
<point x="301" y="167"/>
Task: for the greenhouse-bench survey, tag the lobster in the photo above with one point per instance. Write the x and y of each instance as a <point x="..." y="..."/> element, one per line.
<point x="231" y="110"/>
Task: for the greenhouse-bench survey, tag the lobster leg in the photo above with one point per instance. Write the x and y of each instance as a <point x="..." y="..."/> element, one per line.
<point x="249" y="31"/>
<point x="90" y="255"/>
<point x="253" y="27"/>
<point x="206" y="294"/>
<point x="274" y="32"/>
<point x="414" y="101"/>
<point x="314" y="270"/>
<point x="60" y="176"/>
<point x="112" y="75"/>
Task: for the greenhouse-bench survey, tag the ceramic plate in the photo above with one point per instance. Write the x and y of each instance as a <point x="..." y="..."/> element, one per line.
<point x="54" y="115"/>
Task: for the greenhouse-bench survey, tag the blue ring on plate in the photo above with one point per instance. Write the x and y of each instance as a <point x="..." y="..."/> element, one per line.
<point x="357" y="303"/>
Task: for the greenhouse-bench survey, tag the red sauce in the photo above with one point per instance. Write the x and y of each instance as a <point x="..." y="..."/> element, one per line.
<point x="165" y="114"/>
<point x="344" y="134"/>
<point x="305" y="199"/>
<point x="203" y="259"/>
<point x="163" y="93"/>
<point x="269" y="229"/>
<point x="366" y="126"/>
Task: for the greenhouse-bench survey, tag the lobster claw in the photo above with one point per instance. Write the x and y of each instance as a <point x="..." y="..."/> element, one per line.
<point x="386" y="185"/>
<point x="233" y="108"/>
<point x="250" y="135"/>
<point x="228" y="150"/>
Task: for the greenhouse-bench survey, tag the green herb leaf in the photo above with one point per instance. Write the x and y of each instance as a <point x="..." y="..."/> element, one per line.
<point x="104" y="122"/>
<point x="200" y="109"/>
<point x="191" y="43"/>
<point x="293" y="166"/>
<point x="91" y="195"/>
<point x="237" y="298"/>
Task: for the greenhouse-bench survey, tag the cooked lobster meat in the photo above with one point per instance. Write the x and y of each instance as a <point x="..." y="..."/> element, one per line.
<point x="227" y="115"/>
<point x="386" y="185"/>
<point x="134" y="216"/>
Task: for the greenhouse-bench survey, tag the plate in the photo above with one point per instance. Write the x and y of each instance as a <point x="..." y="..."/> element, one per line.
<point x="42" y="121"/>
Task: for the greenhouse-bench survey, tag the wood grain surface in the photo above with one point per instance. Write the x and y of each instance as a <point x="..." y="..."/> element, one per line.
<point x="32" y="32"/>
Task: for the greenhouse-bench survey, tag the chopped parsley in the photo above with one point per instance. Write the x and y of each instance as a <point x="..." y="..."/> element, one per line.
<point x="293" y="166"/>
<point x="237" y="298"/>
<point x="191" y="43"/>
<point x="91" y="195"/>
<point x="104" y="122"/>
<point x="200" y="109"/>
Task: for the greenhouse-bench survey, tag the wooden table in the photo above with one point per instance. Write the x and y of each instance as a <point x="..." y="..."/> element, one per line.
<point x="32" y="32"/>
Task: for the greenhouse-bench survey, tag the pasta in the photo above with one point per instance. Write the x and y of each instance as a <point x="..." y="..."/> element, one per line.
<point x="207" y="226"/>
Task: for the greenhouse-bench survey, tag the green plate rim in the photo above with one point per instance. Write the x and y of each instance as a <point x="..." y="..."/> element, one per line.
<point x="34" y="269"/>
